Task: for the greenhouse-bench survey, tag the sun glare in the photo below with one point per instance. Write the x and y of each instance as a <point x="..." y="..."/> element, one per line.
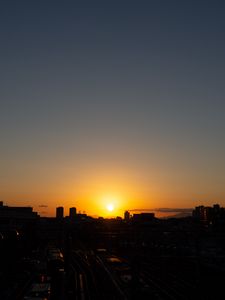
<point x="110" y="207"/>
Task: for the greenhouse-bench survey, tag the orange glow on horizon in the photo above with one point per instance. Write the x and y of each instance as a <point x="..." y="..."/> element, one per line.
<point x="104" y="194"/>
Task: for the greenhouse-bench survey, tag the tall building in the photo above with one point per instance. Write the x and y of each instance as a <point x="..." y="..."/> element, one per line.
<point x="199" y="213"/>
<point x="59" y="212"/>
<point x="207" y="214"/>
<point x="73" y="212"/>
<point x="126" y="216"/>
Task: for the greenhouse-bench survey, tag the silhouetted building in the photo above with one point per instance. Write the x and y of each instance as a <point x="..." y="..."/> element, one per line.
<point x="126" y="216"/>
<point x="13" y="215"/>
<point x="199" y="213"/>
<point x="216" y="210"/>
<point x="207" y="214"/>
<point x="73" y="212"/>
<point x="59" y="212"/>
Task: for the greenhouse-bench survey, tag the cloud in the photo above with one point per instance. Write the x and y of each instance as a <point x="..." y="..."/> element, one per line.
<point x="174" y="210"/>
<point x="166" y="210"/>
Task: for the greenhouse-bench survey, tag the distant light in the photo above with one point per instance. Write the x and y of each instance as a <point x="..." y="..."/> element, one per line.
<point x="110" y="207"/>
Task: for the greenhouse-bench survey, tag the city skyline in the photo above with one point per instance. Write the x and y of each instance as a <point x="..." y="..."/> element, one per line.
<point x="202" y="213"/>
<point x="112" y="104"/>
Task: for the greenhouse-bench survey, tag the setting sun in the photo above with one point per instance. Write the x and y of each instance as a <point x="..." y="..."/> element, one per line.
<point x="110" y="204"/>
<point x="110" y="207"/>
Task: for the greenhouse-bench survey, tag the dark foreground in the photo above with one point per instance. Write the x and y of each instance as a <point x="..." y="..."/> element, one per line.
<point x="112" y="259"/>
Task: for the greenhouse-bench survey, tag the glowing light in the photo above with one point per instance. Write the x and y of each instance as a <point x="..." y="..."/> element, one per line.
<point x="110" y="207"/>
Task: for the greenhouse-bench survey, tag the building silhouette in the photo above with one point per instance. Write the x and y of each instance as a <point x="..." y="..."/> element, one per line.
<point x="209" y="214"/>
<point x="16" y="216"/>
<point x="126" y="216"/>
<point x="73" y="212"/>
<point x="59" y="212"/>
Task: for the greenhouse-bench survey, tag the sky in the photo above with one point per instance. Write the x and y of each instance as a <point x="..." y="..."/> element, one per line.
<point x="112" y="102"/>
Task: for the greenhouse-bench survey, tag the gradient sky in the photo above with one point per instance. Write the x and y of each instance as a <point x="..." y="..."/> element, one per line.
<point x="112" y="101"/>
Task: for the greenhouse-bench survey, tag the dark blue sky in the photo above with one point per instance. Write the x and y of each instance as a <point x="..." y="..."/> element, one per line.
<point x="132" y="90"/>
